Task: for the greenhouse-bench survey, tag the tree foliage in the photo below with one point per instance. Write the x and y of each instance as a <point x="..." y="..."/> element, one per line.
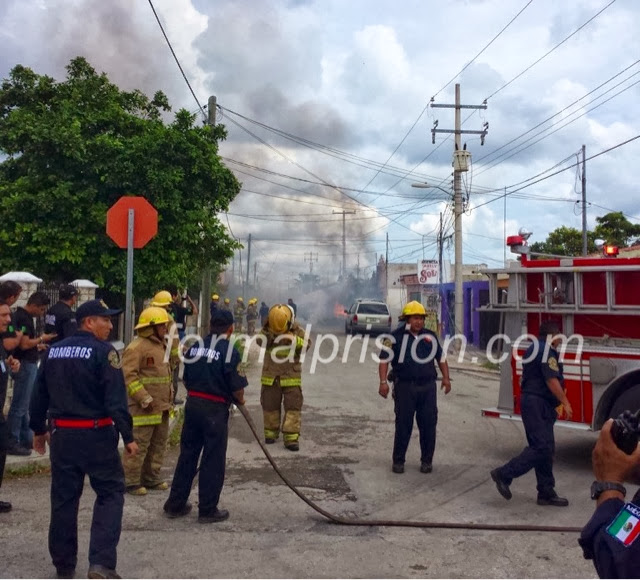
<point x="73" y="148"/>
<point x="613" y="228"/>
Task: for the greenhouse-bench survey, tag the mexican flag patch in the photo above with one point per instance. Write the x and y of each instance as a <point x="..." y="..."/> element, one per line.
<point x="626" y="527"/>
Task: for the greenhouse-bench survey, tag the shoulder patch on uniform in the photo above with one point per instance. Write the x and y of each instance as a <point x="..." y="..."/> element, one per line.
<point x="553" y="363"/>
<point x="626" y="527"/>
<point x="114" y="359"/>
<point x="387" y="342"/>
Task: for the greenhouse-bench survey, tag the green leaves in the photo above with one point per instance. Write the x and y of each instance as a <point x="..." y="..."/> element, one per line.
<point x="73" y="149"/>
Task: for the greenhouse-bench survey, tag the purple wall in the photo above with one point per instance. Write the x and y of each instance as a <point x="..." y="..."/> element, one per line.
<point x="471" y="302"/>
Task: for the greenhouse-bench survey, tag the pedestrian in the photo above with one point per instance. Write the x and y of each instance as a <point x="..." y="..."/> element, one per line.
<point x="282" y="376"/>
<point x="163" y="299"/>
<point x="264" y="313"/>
<point x="9" y="293"/>
<point x="81" y="387"/>
<point x="612" y="537"/>
<point x="252" y="316"/>
<point x="213" y="382"/>
<point x="238" y="313"/>
<point x="21" y="437"/>
<point x="148" y="380"/>
<point x="7" y="364"/>
<point x="541" y="392"/>
<point x="214" y="305"/>
<point x="412" y="351"/>
<point x="293" y="305"/>
<point x="60" y="318"/>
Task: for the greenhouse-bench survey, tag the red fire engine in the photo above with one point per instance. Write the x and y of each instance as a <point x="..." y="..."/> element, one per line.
<point x="595" y="299"/>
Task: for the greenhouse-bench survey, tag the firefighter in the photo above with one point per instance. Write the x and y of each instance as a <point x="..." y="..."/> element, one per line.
<point x="252" y="316"/>
<point x="282" y="376"/>
<point x="213" y="305"/>
<point x="612" y="537"/>
<point x="542" y="391"/>
<point x="213" y="382"/>
<point x="411" y="351"/>
<point x="80" y="386"/>
<point x="238" y="313"/>
<point x="148" y="380"/>
<point x="264" y="313"/>
<point x="227" y="305"/>
<point x="163" y="299"/>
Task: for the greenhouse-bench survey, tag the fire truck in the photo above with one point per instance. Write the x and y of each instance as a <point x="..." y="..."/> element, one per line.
<point x="596" y="301"/>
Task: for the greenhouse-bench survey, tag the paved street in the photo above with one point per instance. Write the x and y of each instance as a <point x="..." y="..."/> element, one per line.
<point x="344" y="465"/>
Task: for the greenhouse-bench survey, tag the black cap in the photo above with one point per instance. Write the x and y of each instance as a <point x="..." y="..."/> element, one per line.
<point x="95" y="308"/>
<point x="221" y="320"/>
<point x="67" y="291"/>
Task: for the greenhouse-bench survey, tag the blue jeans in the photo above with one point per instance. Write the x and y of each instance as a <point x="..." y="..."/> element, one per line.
<point x="18" y="416"/>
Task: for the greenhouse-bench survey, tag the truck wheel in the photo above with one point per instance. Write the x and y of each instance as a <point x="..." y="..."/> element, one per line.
<point x="628" y="401"/>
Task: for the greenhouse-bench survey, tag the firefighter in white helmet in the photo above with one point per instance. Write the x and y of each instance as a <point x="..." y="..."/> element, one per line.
<point x="148" y="380"/>
<point x="282" y="376"/>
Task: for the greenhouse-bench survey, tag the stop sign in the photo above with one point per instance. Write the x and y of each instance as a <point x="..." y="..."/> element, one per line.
<point x="145" y="224"/>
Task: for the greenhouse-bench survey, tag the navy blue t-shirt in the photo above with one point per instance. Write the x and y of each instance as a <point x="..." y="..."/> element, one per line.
<point x="414" y="357"/>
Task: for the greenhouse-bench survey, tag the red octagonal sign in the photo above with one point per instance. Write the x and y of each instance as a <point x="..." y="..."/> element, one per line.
<point x="145" y="223"/>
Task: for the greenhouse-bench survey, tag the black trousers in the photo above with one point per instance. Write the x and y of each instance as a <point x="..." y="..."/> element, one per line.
<point x="205" y="430"/>
<point x="4" y="443"/>
<point x="74" y="454"/>
<point x="419" y="401"/>
<point x="538" y="416"/>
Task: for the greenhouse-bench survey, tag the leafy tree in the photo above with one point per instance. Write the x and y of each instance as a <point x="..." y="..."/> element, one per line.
<point x="564" y="241"/>
<point x="73" y="148"/>
<point x="614" y="228"/>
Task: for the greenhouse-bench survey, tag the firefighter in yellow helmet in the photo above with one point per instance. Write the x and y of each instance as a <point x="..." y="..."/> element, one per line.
<point x="214" y="305"/>
<point x="252" y="316"/>
<point x="148" y="380"/>
<point x="238" y="313"/>
<point x="282" y="376"/>
<point x="163" y="299"/>
<point x="226" y="305"/>
<point x="412" y="351"/>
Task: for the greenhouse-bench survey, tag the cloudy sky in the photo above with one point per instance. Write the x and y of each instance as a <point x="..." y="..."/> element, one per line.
<point x="326" y="102"/>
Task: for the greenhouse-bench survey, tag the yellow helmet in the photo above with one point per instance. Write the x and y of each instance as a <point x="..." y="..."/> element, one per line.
<point x="254" y="300"/>
<point x="280" y="318"/>
<point x="162" y="298"/>
<point x="215" y="297"/>
<point x="239" y="299"/>
<point x="226" y="301"/>
<point x="412" y="308"/>
<point x="152" y="316"/>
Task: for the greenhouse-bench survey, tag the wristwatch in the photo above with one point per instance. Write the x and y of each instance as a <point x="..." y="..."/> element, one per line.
<point x="598" y="487"/>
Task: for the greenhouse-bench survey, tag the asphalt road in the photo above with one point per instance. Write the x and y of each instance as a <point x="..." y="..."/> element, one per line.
<point x="344" y="465"/>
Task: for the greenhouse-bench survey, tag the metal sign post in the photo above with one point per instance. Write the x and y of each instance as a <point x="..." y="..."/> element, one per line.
<point x="128" y="326"/>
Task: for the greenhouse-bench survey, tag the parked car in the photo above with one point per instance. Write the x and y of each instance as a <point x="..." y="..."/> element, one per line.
<point x="367" y="316"/>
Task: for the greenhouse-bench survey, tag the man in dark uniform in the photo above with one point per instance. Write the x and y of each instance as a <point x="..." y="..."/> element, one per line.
<point x="411" y="352"/>
<point x="7" y="364"/>
<point x="612" y="537"/>
<point x="542" y="392"/>
<point x="60" y="319"/>
<point x="80" y="384"/>
<point x="213" y="382"/>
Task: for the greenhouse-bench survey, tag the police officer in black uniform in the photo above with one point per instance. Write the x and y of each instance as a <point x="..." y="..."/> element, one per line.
<point x="412" y="351"/>
<point x="612" y="537"/>
<point x="213" y="382"/>
<point x="80" y="384"/>
<point x="542" y="391"/>
<point x="60" y="319"/>
<point x="7" y="364"/>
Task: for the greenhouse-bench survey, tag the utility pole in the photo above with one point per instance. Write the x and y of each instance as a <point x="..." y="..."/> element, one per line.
<point x="206" y="273"/>
<point x="248" y="269"/>
<point x="310" y="260"/>
<point x="386" y="271"/>
<point x="584" y="201"/>
<point x="460" y="161"/>
<point x="255" y="273"/>
<point x="344" y="239"/>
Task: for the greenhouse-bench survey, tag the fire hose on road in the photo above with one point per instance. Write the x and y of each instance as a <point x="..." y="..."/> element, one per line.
<point x="395" y="523"/>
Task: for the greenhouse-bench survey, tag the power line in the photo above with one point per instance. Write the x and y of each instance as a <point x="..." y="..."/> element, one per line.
<point x="184" y="76"/>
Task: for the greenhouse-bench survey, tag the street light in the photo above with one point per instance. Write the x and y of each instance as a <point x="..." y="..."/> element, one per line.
<point x="429" y="186"/>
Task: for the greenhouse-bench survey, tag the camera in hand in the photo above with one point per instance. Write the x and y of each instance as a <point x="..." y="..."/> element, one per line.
<point x="625" y="431"/>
